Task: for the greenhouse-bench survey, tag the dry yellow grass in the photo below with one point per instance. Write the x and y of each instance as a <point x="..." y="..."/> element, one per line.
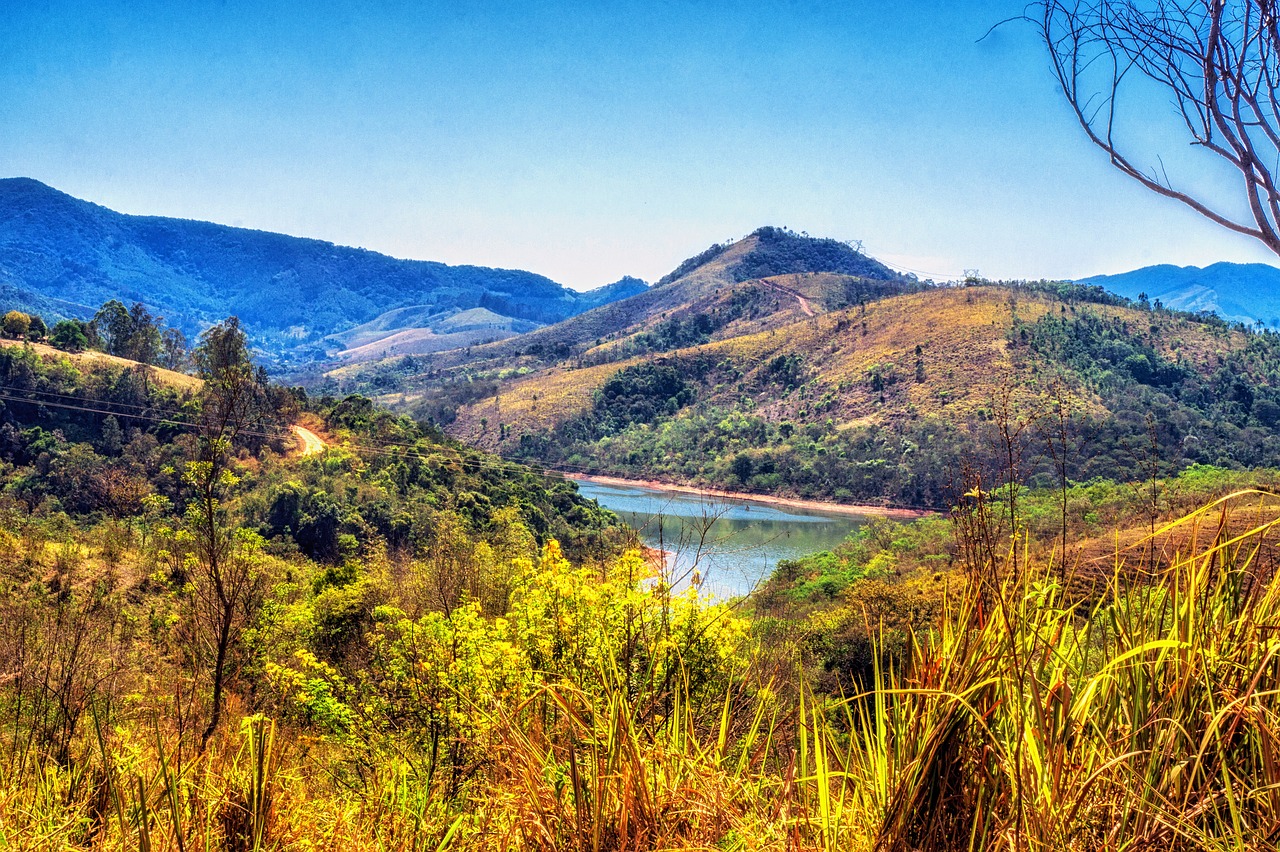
<point x="536" y="403"/>
<point x="963" y="335"/>
<point x="90" y="359"/>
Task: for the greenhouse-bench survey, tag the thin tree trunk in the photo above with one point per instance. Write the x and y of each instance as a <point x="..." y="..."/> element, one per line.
<point x="219" y="668"/>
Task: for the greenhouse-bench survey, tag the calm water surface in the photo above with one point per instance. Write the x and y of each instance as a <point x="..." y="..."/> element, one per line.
<point x="732" y="544"/>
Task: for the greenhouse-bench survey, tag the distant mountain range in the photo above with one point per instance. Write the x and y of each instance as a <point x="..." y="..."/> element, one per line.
<point x="1240" y="292"/>
<point x="61" y="256"/>
<point x="306" y="300"/>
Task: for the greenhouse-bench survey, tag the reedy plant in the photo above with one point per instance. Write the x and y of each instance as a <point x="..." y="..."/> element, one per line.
<point x="1031" y="721"/>
<point x="1027" y="718"/>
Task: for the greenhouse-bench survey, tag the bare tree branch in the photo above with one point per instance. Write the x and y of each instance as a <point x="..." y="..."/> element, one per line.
<point x="1219" y="60"/>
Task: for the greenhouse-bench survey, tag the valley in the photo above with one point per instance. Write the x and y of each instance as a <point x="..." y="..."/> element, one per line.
<point x="829" y="386"/>
<point x="640" y="427"/>
<point x="674" y="544"/>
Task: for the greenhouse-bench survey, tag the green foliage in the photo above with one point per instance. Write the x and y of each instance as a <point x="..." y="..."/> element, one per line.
<point x="639" y="394"/>
<point x="88" y="441"/>
<point x="676" y="333"/>
<point x="780" y="252"/>
<point x="710" y="446"/>
<point x="1216" y="412"/>
<point x="131" y="333"/>
<point x="15" y="324"/>
<point x="71" y="335"/>
<point x="415" y="484"/>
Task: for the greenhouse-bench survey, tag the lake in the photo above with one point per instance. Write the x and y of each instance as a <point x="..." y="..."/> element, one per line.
<point x="732" y="544"/>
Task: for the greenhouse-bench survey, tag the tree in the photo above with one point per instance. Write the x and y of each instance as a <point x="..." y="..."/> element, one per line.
<point x="70" y="336"/>
<point x="38" y="329"/>
<point x="1059" y="427"/>
<point x="1218" y="61"/>
<point x="144" y="341"/>
<point x="131" y="333"/>
<point x="173" y="350"/>
<point x="16" y="324"/>
<point x="226" y="580"/>
<point x="111" y="325"/>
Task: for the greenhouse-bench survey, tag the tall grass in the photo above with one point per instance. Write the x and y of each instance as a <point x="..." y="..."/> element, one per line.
<point x="1143" y="716"/>
<point x="1147" y="720"/>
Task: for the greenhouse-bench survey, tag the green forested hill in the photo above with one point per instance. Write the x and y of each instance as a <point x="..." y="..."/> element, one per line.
<point x="100" y="437"/>
<point x="289" y="292"/>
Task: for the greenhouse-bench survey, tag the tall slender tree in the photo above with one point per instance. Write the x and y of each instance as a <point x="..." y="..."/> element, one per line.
<point x="226" y="581"/>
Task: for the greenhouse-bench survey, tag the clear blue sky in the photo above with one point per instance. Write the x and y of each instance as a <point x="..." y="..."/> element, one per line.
<point x="584" y="141"/>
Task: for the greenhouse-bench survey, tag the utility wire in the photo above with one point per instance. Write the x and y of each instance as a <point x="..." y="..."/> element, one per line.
<point x="389" y="449"/>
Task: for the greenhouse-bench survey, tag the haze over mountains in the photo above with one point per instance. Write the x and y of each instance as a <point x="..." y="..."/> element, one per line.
<point x="306" y="300"/>
<point x="61" y="256"/>
<point x="1239" y="292"/>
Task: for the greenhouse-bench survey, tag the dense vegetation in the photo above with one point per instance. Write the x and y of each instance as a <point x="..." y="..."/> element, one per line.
<point x="110" y="440"/>
<point x="784" y="252"/>
<point x="1090" y="386"/>
<point x="209" y="640"/>
<point x="466" y="686"/>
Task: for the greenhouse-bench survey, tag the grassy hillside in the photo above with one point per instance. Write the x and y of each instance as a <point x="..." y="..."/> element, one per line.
<point x="708" y="283"/>
<point x="91" y="361"/>
<point x="796" y="366"/>
<point x="822" y="385"/>
<point x="399" y="333"/>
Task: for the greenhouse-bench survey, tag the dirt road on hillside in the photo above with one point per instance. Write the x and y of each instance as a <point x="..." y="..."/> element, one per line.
<point x="804" y="303"/>
<point x="311" y="443"/>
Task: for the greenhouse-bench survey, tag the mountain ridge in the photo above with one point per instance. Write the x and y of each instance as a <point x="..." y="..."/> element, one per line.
<point x="710" y="291"/>
<point x="286" y="290"/>
<point x="1237" y="292"/>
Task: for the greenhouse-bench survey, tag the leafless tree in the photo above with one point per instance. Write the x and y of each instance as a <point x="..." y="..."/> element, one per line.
<point x="1059" y="428"/>
<point x="1218" y="62"/>
<point x="1012" y="421"/>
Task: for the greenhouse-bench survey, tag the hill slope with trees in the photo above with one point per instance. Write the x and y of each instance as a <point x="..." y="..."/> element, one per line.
<point x="59" y="255"/>
<point x="821" y="384"/>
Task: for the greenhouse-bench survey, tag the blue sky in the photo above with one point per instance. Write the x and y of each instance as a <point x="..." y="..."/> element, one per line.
<point x="587" y="141"/>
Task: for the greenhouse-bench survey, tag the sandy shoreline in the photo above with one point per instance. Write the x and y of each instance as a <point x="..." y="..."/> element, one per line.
<point x="764" y="499"/>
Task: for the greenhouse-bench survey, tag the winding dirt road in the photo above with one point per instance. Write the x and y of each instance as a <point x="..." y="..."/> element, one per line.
<point x="311" y="443"/>
<point x="804" y="303"/>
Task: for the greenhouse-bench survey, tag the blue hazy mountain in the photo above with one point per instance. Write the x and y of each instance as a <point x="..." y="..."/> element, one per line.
<point x="63" y="256"/>
<point x="1241" y="292"/>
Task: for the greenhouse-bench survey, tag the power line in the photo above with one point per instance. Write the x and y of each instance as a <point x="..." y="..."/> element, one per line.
<point x="79" y="398"/>
<point x="390" y="449"/>
<point x="493" y="463"/>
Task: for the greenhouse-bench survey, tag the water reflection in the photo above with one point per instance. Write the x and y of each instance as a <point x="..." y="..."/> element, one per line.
<point x="731" y="544"/>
